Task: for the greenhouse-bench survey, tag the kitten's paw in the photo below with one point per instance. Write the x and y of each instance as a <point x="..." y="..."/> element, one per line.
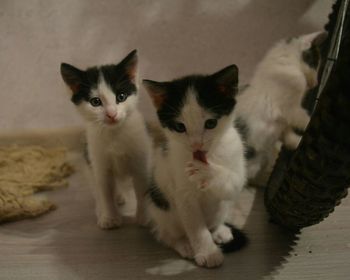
<point x="210" y="258"/>
<point x="198" y="172"/>
<point x="222" y="235"/>
<point x="107" y="222"/>
<point x="184" y="248"/>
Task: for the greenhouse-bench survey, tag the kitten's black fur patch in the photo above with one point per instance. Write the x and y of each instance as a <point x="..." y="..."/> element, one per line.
<point x="309" y="100"/>
<point x="239" y="241"/>
<point x="158" y="198"/>
<point x="115" y="75"/>
<point x="310" y="97"/>
<point x="249" y="152"/>
<point x="242" y="128"/>
<point x="118" y="80"/>
<point x="208" y="94"/>
<point x="84" y="81"/>
<point x="311" y="57"/>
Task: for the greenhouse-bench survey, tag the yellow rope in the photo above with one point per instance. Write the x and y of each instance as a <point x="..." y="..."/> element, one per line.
<point x="26" y="170"/>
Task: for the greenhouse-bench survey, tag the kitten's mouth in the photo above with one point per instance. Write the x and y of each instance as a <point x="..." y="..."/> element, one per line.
<point x="111" y="121"/>
<point x="200" y="155"/>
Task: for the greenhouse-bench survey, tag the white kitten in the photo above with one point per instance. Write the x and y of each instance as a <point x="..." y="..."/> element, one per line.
<point x="270" y="107"/>
<point x="201" y="168"/>
<point x="118" y="144"/>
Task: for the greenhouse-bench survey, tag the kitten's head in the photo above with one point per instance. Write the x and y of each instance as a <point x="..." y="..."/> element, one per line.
<point x="195" y="110"/>
<point x="104" y="95"/>
<point x="309" y="48"/>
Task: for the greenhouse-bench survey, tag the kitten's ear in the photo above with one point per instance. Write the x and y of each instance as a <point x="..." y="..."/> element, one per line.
<point x="312" y="55"/>
<point x="227" y="80"/>
<point x="130" y="65"/>
<point x="157" y="92"/>
<point x="72" y="76"/>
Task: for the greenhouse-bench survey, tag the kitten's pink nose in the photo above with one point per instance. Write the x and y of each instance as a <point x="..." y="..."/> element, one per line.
<point x="111" y="116"/>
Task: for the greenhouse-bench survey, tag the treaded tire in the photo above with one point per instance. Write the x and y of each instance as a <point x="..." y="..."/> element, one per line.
<point x="307" y="184"/>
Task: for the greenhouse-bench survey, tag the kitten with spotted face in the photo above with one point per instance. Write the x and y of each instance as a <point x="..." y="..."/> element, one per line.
<point x="200" y="169"/>
<point x="270" y="108"/>
<point x="118" y="144"/>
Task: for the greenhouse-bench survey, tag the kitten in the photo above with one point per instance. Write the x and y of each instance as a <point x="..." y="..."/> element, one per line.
<point x="118" y="144"/>
<point x="200" y="169"/>
<point x="270" y="108"/>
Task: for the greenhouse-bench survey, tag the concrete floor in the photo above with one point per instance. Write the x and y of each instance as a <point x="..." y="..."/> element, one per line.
<point x="173" y="38"/>
<point x="66" y="243"/>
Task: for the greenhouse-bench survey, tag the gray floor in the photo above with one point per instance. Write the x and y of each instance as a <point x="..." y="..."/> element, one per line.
<point x="66" y="244"/>
<point x="173" y="38"/>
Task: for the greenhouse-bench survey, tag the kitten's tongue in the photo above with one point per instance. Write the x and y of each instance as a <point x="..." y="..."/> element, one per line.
<point x="200" y="155"/>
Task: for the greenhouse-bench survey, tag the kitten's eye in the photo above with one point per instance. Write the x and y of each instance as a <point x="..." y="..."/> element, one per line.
<point x="211" y="123"/>
<point x="121" y="97"/>
<point x="95" y="101"/>
<point x="179" y="127"/>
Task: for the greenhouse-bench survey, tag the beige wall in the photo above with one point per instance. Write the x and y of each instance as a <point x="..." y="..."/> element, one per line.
<point x="173" y="38"/>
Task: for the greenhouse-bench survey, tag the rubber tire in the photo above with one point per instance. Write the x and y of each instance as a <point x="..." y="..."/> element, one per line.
<point x="307" y="184"/>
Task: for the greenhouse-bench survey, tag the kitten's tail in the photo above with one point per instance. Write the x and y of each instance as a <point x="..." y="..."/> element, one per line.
<point x="239" y="242"/>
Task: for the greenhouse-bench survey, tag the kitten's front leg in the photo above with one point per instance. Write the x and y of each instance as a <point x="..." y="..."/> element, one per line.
<point x="222" y="234"/>
<point x="107" y="213"/>
<point x="207" y="253"/>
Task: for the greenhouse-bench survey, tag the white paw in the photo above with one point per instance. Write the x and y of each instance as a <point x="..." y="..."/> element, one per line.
<point x="184" y="248"/>
<point x="222" y="235"/>
<point x="107" y="222"/>
<point x="211" y="258"/>
<point x="198" y="172"/>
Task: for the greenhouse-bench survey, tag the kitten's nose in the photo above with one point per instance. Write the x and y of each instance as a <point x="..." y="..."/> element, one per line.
<point x="111" y="116"/>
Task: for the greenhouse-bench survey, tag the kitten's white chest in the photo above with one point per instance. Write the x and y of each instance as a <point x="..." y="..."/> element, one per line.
<point x="105" y="145"/>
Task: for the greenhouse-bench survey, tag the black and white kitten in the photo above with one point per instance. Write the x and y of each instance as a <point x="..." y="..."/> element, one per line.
<point x="270" y="108"/>
<point x="118" y="144"/>
<point x="200" y="169"/>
